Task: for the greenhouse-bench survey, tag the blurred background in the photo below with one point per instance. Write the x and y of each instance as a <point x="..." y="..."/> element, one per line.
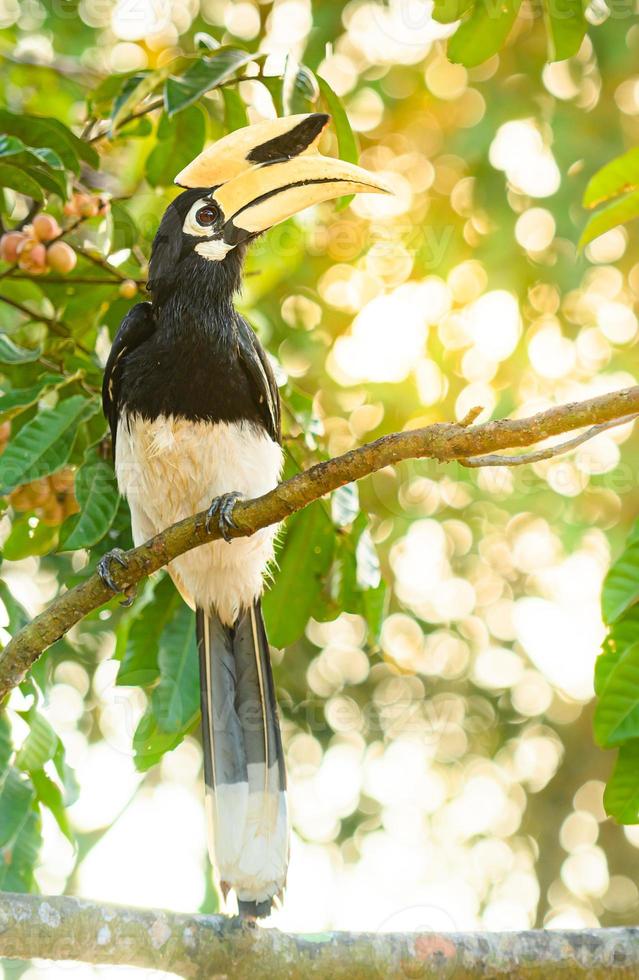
<point x="441" y="760"/>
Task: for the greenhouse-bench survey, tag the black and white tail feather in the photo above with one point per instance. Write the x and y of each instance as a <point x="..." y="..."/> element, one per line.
<point x="243" y="759"/>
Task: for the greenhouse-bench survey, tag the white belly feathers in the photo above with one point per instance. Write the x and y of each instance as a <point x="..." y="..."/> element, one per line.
<point x="169" y="469"/>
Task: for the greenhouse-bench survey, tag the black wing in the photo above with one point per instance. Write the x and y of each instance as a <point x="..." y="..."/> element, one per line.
<point x="263" y="384"/>
<point x="138" y="324"/>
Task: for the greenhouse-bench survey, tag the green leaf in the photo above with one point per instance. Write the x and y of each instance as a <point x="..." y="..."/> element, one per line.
<point x="303" y="568"/>
<point x="10" y="353"/>
<point x="369" y="574"/>
<point x="617" y="213"/>
<point x="40" y="744"/>
<point x="300" y="91"/>
<point x="375" y="603"/>
<point x="124" y="230"/>
<point x="346" y="139"/>
<point x="44" y="444"/>
<point x="179" y="141"/>
<point x="356" y="582"/>
<point x="448" y="11"/>
<point x="621" y="584"/>
<point x="136" y="90"/>
<point x="203" y="75"/>
<point x="617" y="177"/>
<point x="112" y="86"/>
<point x="176" y="699"/>
<point x="25" y="541"/>
<point x="43" y="131"/>
<point x="235" y="116"/>
<point x="622" y="634"/>
<point x="19" y="859"/>
<point x="43" y="165"/>
<point x="66" y="775"/>
<point x="50" y="795"/>
<point x="482" y="34"/>
<point x="6" y="744"/>
<point x="150" y="744"/>
<point x="17" y="614"/>
<point x="18" y="180"/>
<point x="16" y="400"/>
<point x="566" y="25"/>
<point x="345" y="504"/>
<point x="205" y="42"/>
<point x="139" y="664"/>
<point x="16" y="797"/>
<point x="273" y="85"/>
<point x="9" y="146"/>
<point x="51" y="180"/>
<point x="617" y="712"/>
<point x="621" y="797"/>
<point x="97" y="494"/>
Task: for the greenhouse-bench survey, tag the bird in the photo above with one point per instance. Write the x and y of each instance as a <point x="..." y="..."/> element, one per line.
<point x="193" y="407"/>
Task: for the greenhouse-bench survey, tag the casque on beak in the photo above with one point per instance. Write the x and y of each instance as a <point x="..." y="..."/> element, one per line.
<point x="262" y="174"/>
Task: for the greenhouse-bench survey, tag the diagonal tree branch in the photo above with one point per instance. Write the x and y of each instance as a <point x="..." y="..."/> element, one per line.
<point x="208" y="946"/>
<point x="442" y="441"/>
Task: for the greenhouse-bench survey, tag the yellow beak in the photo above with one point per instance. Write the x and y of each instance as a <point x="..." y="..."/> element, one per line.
<point x="263" y="174"/>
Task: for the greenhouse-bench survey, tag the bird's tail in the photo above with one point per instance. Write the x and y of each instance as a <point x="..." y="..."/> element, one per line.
<point x="243" y="760"/>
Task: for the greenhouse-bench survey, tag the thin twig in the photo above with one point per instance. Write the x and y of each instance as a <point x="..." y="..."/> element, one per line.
<point x="494" y="459"/>
<point x="156" y="104"/>
<point x="442" y="441"/>
<point x="56" y="326"/>
<point x="77" y="281"/>
<point x="100" y="262"/>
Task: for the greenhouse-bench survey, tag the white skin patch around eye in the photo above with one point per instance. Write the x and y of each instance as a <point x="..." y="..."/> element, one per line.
<point x="191" y="226"/>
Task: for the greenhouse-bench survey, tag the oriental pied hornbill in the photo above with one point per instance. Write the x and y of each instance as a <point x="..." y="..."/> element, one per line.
<point x="194" y="414"/>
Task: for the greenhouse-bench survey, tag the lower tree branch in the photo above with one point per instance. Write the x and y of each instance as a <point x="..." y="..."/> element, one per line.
<point x="218" y="947"/>
<point x="442" y="441"/>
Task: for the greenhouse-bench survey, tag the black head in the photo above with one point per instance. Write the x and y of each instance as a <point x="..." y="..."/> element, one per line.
<point x="189" y="243"/>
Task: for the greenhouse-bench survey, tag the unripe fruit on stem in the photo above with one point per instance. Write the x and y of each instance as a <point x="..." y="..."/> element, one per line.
<point x="9" y="245"/>
<point x="63" y="481"/>
<point x="40" y="490"/>
<point x="46" y="227"/>
<point x="128" y="289"/>
<point x="90" y="208"/>
<point x="70" y="505"/>
<point x="52" y="512"/>
<point x="21" y="499"/>
<point x="32" y="257"/>
<point x="60" y="257"/>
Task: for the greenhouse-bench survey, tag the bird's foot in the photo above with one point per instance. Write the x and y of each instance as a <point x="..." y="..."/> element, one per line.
<point x="104" y="571"/>
<point x="222" y="507"/>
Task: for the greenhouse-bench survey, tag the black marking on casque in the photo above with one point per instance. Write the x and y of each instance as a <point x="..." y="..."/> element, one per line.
<point x="289" y="144"/>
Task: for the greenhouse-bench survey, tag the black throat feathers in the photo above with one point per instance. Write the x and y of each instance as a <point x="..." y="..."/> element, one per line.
<point x="191" y="367"/>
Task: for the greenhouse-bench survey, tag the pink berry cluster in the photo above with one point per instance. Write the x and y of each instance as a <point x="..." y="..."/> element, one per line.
<point x="37" y="247"/>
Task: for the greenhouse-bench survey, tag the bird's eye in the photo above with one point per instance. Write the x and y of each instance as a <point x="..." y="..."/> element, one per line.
<point x="207" y="215"/>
